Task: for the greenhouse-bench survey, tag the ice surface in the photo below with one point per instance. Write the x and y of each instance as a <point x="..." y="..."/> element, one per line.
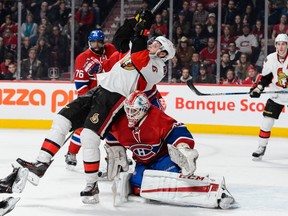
<point x="259" y="187"/>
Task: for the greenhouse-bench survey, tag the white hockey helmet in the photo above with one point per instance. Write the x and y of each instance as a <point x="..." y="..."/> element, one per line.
<point x="167" y="46"/>
<point x="281" y="38"/>
<point x="136" y="107"/>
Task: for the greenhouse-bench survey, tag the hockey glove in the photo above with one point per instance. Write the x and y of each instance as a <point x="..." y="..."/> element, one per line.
<point x="256" y="91"/>
<point x="116" y="160"/>
<point x="184" y="157"/>
<point x="144" y="20"/>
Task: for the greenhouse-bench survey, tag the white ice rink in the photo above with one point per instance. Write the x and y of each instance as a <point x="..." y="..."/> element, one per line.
<point x="261" y="188"/>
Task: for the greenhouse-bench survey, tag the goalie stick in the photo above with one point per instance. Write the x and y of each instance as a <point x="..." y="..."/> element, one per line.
<point x="194" y="89"/>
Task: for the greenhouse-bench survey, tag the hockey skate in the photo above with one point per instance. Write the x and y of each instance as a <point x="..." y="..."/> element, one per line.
<point x="8" y="205"/>
<point x="15" y="182"/>
<point x="36" y="170"/>
<point x="90" y="193"/>
<point x="258" y="154"/>
<point x="70" y="160"/>
<point x="226" y="200"/>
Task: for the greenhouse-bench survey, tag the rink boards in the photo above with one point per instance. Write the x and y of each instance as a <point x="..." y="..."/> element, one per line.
<point x="34" y="105"/>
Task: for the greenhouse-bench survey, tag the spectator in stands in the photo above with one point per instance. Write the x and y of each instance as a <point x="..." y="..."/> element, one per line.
<point x="159" y="28"/>
<point x="11" y="73"/>
<point x="231" y="78"/>
<point x="247" y="42"/>
<point x="2" y="49"/>
<point x="31" y="68"/>
<point x="258" y="30"/>
<point x="188" y="13"/>
<point x="199" y="39"/>
<point x="259" y="55"/>
<point x="3" y="12"/>
<point x="24" y="13"/>
<point x="237" y="26"/>
<point x="208" y="55"/>
<point x="8" y="24"/>
<point x="48" y="26"/>
<point x="185" y="75"/>
<point x="43" y="53"/>
<point x="211" y="26"/>
<point x="226" y="38"/>
<point x="183" y="24"/>
<point x="25" y="47"/>
<point x="212" y="5"/>
<point x="59" y="49"/>
<point x="165" y="16"/>
<point x="8" y="58"/>
<point x="242" y="66"/>
<point x="273" y="15"/>
<point x="229" y="13"/>
<point x="176" y="69"/>
<point x="61" y="13"/>
<point x="285" y="9"/>
<point x="29" y="28"/>
<point x="10" y="41"/>
<point x="204" y="76"/>
<point x="184" y="52"/>
<point x="44" y="11"/>
<point x="66" y="31"/>
<point x="200" y="16"/>
<point x="85" y="19"/>
<point x="177" y="35"/>
<point x="41" y="33"/>
<point x="249" y="14"/>
<point x="251" y="77"/>
<point x="96" y="11"/>
<point x="281" y="28"/>
<point x="224" y="65"/>
<point x="195" y="65"/>
<point x="234" y="54"/>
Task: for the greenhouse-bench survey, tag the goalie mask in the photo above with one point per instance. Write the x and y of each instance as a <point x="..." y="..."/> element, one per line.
<point x="281" y="50"/>
<point x="96" y="41"/>
<point x="136" y="107"/>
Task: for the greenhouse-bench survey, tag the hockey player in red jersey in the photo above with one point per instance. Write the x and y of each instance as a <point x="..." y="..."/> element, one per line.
<point x="14" y="182"/>
<point x="165" y="147"/>
<point x="87" y="65"/>
<point x="139" y="68"/>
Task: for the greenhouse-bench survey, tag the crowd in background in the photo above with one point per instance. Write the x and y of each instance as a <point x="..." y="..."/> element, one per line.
<point x="46" y="33"/>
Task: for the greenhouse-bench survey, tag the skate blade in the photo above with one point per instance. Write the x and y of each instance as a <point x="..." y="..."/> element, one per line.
<point x="11" y="202"/>
<point x="90" y="199"/>
<point x="33" y="179"/>
<point x="70" y="167"/>
<point x="20" y="181"/>
<point x="257" y="158"/>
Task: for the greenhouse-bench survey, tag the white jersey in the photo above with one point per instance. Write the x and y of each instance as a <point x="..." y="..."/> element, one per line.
<point x="280" y="75"/>
<point x="245" y="43"/>
<point x="124" y="78"/>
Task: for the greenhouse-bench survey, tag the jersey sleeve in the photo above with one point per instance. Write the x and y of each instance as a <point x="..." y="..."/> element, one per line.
<point x="81" y="78"/>
<point x="180" y="134"/>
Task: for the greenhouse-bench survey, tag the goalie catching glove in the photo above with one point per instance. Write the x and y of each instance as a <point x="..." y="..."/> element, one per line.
<point x="116" y="160"/>
<point x="184" y="157"/>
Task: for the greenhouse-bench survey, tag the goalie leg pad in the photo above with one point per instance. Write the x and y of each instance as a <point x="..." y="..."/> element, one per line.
<point x="8" y="205"/>
<point x="20" y="181"/>
<point x="173" y="188"/>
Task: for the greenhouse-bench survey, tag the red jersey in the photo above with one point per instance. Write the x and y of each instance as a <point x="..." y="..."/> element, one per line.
<point x="149" y="140"/>
<point x="84" y="62"/>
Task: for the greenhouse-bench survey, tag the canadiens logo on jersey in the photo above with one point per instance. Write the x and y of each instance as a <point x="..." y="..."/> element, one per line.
<point x="126" y="63"/>
<point x="154" y="69"/>
<point x="95" y="118"/>
<point x="281" y="79"/>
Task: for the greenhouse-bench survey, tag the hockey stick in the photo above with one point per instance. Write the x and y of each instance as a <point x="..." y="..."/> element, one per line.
<point x="194" y="89"/>
<point x="157" y="6"/>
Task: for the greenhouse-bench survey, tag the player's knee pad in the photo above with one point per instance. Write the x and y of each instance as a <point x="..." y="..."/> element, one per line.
<point x="61" y="124"/>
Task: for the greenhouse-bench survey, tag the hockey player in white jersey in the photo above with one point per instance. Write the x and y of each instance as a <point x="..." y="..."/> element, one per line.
<point x="139" y="68"/>
<point x="275" y="74"/>
<point x="14" y="182"/>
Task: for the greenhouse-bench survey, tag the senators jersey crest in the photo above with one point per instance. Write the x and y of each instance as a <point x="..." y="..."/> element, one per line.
<point x="126" y="63"/>
<point x="281" y="79"/>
